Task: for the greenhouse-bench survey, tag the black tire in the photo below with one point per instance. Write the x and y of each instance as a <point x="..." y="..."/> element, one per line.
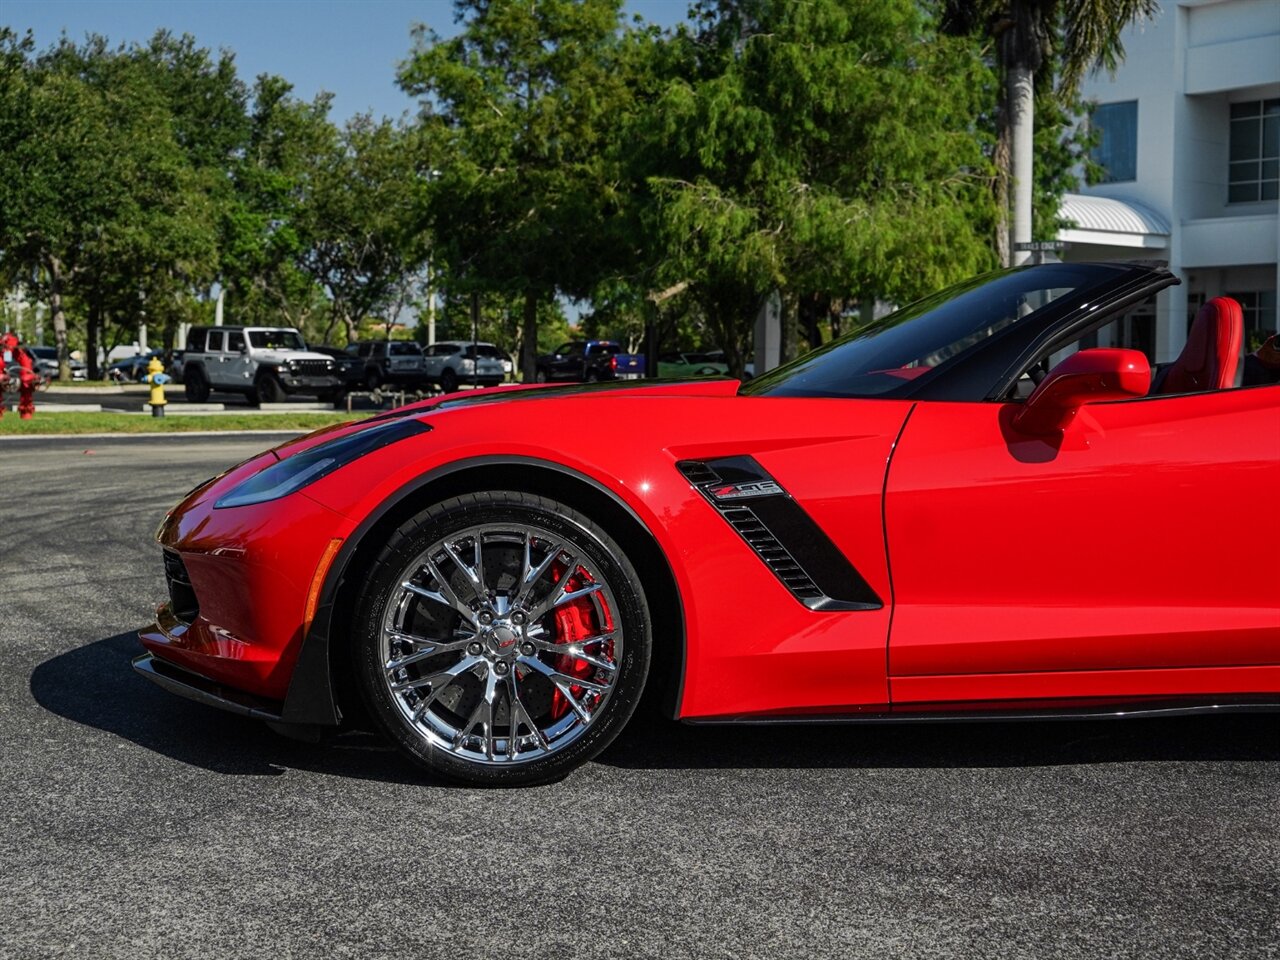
<point x="542" y="376"/>
<point x="382" y="581"/>
<point x="449" y="380"/>
<point x="195" y="385"/>
<point x="267" y="389"/>
<point x="593" y="376"/>
<point x="337" y="397"/>
<point x="372" y="379"/>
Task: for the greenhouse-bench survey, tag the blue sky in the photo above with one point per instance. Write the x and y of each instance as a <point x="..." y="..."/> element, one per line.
<point x="348" y="47"/>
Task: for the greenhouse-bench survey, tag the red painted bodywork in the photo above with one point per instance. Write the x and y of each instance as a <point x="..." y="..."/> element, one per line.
<point x="1133" y="555"/>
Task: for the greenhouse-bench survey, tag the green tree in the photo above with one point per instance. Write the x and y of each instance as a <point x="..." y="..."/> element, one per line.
<point x="99" y="199"/>
<point x="264" y="223"/>
<point x="810" y="149"/>
<point x="359" y="216"/>
<point x="521" y="104"/>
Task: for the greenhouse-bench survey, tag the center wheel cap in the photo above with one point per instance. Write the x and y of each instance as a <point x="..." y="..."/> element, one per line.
<point x="501" y="638"/>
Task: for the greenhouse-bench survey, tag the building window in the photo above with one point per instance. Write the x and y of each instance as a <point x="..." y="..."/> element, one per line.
<point x="1259" y="307"/>
<point x="1255" y="151"/>
<point x="1116" y="125"/>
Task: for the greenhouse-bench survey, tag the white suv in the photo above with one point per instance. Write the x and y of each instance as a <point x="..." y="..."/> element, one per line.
<point x="453" y="362"/>
<point x="266" y="364"/>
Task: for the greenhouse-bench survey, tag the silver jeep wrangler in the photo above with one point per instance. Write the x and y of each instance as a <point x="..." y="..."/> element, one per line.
<point x="266" y="364"/>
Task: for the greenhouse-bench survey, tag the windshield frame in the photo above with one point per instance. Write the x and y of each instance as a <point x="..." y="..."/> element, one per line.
<point x="973" y="373"/>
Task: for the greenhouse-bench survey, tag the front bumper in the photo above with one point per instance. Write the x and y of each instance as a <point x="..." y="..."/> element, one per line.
<point x="203" y="690"/>
<point x="239" y="580"/>
<point x="304" y="384"/>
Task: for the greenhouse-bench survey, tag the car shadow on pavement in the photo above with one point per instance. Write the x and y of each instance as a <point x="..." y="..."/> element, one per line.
<point x="95" y="686"/>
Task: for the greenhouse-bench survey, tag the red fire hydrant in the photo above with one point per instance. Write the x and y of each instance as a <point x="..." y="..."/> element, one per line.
<point x="27" y="378"/>
<point x="6" y="357"/>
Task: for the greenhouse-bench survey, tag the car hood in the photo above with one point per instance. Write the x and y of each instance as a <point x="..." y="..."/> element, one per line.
<point x="439" y="407"/>
<point x="282" y="356"/>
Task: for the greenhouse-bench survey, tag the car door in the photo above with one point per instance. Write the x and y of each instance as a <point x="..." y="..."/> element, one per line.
<point x="237" y="363"/>
<point x="215" y="358"/>
<point x="1138" y="558"/>
<point x="431" y="363"/>
<point x="567" y="362"/>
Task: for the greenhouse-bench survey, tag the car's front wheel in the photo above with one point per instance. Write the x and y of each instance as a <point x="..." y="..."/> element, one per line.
<point x="501" y="638"/>
<point x="267" y="389"/>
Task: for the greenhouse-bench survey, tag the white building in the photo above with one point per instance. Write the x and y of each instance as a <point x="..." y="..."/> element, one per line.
<point x="1190" y="128"/>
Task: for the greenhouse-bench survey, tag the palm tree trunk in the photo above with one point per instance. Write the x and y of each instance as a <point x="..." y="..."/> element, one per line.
<point x="1021" y="126"/>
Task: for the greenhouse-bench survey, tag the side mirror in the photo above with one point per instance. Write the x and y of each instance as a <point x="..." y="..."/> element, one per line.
<point x="244" y="348"/>
<point x="1089" y="376"/>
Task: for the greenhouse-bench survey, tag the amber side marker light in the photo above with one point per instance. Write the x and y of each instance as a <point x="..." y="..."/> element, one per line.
<point x="317" y="584"/>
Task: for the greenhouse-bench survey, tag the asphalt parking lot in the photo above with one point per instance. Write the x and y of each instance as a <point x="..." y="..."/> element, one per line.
<point x="136" y="824"/>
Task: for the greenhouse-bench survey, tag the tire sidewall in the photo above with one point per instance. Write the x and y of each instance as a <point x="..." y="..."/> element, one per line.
<point x="460" y="513"/>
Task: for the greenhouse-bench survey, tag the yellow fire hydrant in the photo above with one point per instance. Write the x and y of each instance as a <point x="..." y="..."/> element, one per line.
<point x="157" y="378"/>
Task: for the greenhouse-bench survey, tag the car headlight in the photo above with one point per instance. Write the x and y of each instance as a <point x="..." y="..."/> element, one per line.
<point x="293" y="473"/>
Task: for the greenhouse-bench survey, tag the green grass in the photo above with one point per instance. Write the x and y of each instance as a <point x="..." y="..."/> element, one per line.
<point x="72" y="423"/>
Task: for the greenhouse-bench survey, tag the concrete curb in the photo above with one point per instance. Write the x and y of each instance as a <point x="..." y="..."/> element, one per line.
<point x="167" y="434"/>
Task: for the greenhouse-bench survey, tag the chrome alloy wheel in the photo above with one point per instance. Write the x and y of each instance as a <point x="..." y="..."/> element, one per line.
<point x="501" y="643"/>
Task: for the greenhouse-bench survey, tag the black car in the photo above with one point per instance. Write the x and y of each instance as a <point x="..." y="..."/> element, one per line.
<point x="133" y="369"/>
<point x="398" y="362"/>
<point x="350" y="367"/>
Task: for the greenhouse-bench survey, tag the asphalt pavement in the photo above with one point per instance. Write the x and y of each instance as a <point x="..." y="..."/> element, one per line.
<point x="136" y="824"/>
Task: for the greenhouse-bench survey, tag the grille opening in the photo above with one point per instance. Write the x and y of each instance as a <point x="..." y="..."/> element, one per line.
<point x="312" y="368"/>
<point x="182" y="597"/>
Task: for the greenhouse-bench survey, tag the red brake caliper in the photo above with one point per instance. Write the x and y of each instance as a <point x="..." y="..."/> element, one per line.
<point x="577" y="621"/>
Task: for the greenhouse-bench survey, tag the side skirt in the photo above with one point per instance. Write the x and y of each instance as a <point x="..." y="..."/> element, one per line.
<point x="1110" y="711"/>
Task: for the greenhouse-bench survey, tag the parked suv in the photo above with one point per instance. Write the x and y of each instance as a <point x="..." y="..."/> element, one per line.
<point x="453" y="362"/>
<point x="389" y="361"/>
<point x="266" y="364"/>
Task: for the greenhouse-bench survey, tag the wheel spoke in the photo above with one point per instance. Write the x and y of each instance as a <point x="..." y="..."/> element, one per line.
<point x="561" y="679"/>
<point x="437" y="681"/>
<point x="443" y="594"/>
<point x="532" y="574"/>
<point x="475" y="576"/>
<point x="468" y="725"/>
<point x="577" y="650"/>
<point x="490" y="695"/>
<point x="518" y="713"/>
<point x="560" y="593"/>
<point x="431" y="649"/>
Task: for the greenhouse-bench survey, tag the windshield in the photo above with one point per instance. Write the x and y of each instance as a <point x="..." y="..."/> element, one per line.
<point x="402" y="348"/>
<point x="883" y="357"/>
<point x="276" y="340"/>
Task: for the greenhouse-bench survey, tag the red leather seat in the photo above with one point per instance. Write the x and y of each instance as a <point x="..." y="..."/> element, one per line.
<point x="1208" y="361"/>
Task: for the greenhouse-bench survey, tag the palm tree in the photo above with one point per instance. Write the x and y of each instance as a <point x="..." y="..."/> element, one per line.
<point x="1077" y="35"/>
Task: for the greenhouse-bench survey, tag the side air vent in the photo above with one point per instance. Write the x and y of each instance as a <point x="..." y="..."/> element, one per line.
<point x="780" y="533"/>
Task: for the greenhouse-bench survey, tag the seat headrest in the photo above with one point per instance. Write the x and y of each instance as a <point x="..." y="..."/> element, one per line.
<point x="1209" y="359"/>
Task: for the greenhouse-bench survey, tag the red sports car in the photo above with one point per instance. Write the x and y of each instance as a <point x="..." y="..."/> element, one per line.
<point x="979" y="506"/>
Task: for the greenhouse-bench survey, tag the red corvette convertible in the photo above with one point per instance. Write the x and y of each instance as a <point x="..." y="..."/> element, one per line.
<point x="975" y="507"/>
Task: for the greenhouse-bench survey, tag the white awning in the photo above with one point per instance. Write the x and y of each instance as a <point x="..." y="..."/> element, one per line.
<point x="1112" y="222"/>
